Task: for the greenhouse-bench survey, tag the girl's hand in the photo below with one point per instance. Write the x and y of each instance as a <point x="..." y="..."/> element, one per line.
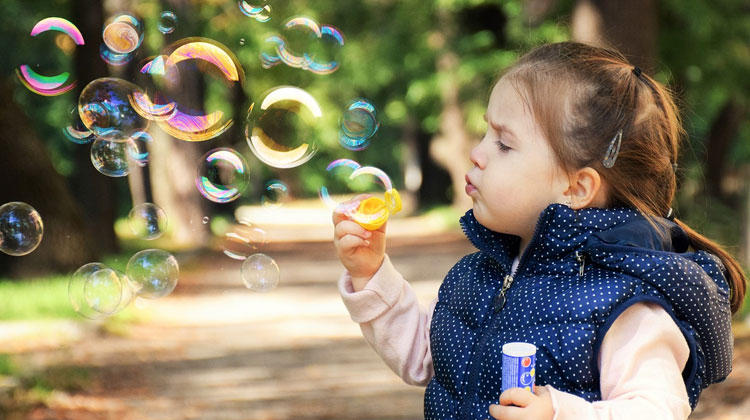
<point x="361" y="251"/>
<point x="528" y="406"/>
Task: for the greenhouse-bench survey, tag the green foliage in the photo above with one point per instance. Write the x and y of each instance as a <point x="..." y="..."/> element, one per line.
<point x="45" y="298"/>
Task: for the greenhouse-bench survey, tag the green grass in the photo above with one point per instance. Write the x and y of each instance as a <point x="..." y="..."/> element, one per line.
<point x="41" y="298"/>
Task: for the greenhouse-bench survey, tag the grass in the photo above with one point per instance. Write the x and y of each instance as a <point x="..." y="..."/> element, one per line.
<point x="40" y="298"/>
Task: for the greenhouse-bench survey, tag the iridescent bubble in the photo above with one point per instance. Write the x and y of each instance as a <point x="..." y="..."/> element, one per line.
<point x="123" y="34"/>
<point x="167" y="22"/>
<point x="21" y="228"/>
<point x="275" y="193"/>
<point x="243" y="240"/>
<point x="105" y="109"/>
<point x="114" y="58"/>
<point x="222" y="175"/>
<point x="260" y="273"/>
<point x="259" y="12"/>
<point x="139" y="144"/>
<point x="306" y="45"/>
<point x="281" y="132"/>
<point x="358" y="123"/>
<point x="147" y="221"/>
<point x="153" y="272"/>
<point x="112" y="158"/>
<point x="97" y="291"/>
<point x="56" y="84"/>
<point x="336" y="189"/>
<point x="76" y="131"/>
<point x="207" y="56"/>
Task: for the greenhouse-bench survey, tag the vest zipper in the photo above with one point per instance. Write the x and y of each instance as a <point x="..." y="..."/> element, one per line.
<point x="581" y="258"/>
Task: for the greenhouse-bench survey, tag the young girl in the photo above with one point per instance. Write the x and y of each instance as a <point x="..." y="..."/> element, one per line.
<point x="579" y="254"/>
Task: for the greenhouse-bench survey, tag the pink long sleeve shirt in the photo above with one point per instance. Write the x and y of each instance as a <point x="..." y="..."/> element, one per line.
<point x="640" y="360"/>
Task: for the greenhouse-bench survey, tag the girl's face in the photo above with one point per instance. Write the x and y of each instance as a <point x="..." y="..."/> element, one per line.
<point x="515" y="175"/>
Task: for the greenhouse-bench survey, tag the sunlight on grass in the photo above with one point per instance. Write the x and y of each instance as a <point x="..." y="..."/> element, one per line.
<point x="43" y="298"/>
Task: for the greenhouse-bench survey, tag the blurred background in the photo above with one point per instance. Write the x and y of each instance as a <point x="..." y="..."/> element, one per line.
<point x="215" y="348"/>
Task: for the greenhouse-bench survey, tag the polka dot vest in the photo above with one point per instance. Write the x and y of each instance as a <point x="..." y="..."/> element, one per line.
<point x="581" y="270"/>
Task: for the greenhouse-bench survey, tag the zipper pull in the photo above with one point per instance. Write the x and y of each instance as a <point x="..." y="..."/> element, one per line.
<point x="581" y="258"/>
<point x="499" y="301"/>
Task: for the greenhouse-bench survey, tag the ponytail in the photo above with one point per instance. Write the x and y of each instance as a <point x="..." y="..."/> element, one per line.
<point x="735" y="276"/>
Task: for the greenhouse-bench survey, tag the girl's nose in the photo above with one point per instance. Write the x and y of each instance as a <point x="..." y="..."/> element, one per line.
<point x="476" y="157"/>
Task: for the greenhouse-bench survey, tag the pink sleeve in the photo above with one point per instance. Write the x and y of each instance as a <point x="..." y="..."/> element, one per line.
<point x="392" y="322"/>
<point x="641" y="361"/>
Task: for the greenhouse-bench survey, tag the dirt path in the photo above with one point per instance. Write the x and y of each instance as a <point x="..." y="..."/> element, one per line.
<point x="214" y="350"/>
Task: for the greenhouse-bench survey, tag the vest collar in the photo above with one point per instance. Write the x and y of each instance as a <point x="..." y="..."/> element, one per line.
<point x="561" y="230"/>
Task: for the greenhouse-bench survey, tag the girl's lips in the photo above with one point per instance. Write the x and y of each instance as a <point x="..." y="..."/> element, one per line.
<point x="470" y="188"/>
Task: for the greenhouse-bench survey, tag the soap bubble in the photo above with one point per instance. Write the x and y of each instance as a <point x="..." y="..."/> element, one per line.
<point x="261" y="13"/>
<point x="147" y="221"/>
<point x="305" y="45"/>
<point x="358" y="123"/>
<point x="222" y="175"/>
<point x="76" y="131"/>
<point x="275" y="193"/>
<point x="114" y="58"/>
<point x="190" y="55"/>
<point x="97" y="291"/>
<point x="21" y="228"/>
<point x="59" y="83"/>
<point x="282" y="131"/>
<point x="242" y="42"/>
<point x="153" y="272"/>
<point x="243" y="240"/>
<point x="123" y="34"/>
<point x="104" y="108"/>
<point x="138" y="147"/>
<point x="336" y="187"/>
<point x="205" y="220"/>
<point x="112" y="158"/>
<point x="260" y="273"/>
<point x="167" y="22"/>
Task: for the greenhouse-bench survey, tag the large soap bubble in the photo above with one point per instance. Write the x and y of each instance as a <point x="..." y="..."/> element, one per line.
<point x="21" y="228"/>
<point x="97" y="291"/>
<point x="113" y="158"/>
<point x="260" y="273"/>
<point x="153" y="272"/>
<point x="105" y="109"/>
<point x="281" y="131"/>
<point x="61" y="82"/>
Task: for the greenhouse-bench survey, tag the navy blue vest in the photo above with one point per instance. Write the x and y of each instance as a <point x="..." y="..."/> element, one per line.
<point x="581" y="270"/>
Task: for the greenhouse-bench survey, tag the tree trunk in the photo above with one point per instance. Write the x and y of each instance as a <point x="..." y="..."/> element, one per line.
<point x="723" y="130"/>
<point x="96" y="192"/>
<point x="27" y="175"/>
<point x="631" y="27"/>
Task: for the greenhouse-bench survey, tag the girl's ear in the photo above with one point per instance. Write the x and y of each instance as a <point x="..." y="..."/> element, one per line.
<point x="586" y="189"/>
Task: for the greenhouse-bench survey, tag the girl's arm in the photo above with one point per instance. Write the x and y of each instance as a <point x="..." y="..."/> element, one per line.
<point x="392" y="322"/>
<point x="641" y="361"/>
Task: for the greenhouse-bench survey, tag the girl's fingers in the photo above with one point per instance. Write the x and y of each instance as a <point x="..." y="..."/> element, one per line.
<point x="348" y="242"/>
<point x="347" y="227"/>
<point x="516" y="396"/>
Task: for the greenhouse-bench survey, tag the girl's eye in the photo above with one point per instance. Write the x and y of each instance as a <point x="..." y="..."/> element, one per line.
<point x="502" y="146"/>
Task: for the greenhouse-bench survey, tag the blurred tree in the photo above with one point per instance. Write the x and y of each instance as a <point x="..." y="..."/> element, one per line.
<point x="65" y="244"/>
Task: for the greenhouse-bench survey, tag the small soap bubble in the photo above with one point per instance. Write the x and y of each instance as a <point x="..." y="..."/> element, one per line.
<point x="97" y="291"/>
<point x="205" y="220"/>
<point x="260" y="273"/>
<point x="167" y="22"/>
<point x="123" y="34"/>
<point x="147" y="221"/>
<point x="76" y="131"/>
<point x="21" y="228"/>
<point x="242" y="240"/>
<point x="242" y="42"/>
<point x="138" y="149"/>
<point x="153" y="272"/>
<point x="358" y="123"/>
<point x="282" y="130"/>
<point x="112" y="158"/>
<point x="275" y="193"/>
<point x="104" y="108"/>
<point x="222" y="175"/>
<point x="259" y="12"/>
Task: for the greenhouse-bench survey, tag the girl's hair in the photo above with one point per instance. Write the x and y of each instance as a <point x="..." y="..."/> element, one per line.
<point x="581" y="96"/>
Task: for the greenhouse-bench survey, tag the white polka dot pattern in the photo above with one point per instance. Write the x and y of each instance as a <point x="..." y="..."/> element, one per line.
<point x="566" y="314"/>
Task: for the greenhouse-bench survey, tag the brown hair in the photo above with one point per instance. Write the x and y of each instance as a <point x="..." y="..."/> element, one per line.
<point x="581" y="96"/>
